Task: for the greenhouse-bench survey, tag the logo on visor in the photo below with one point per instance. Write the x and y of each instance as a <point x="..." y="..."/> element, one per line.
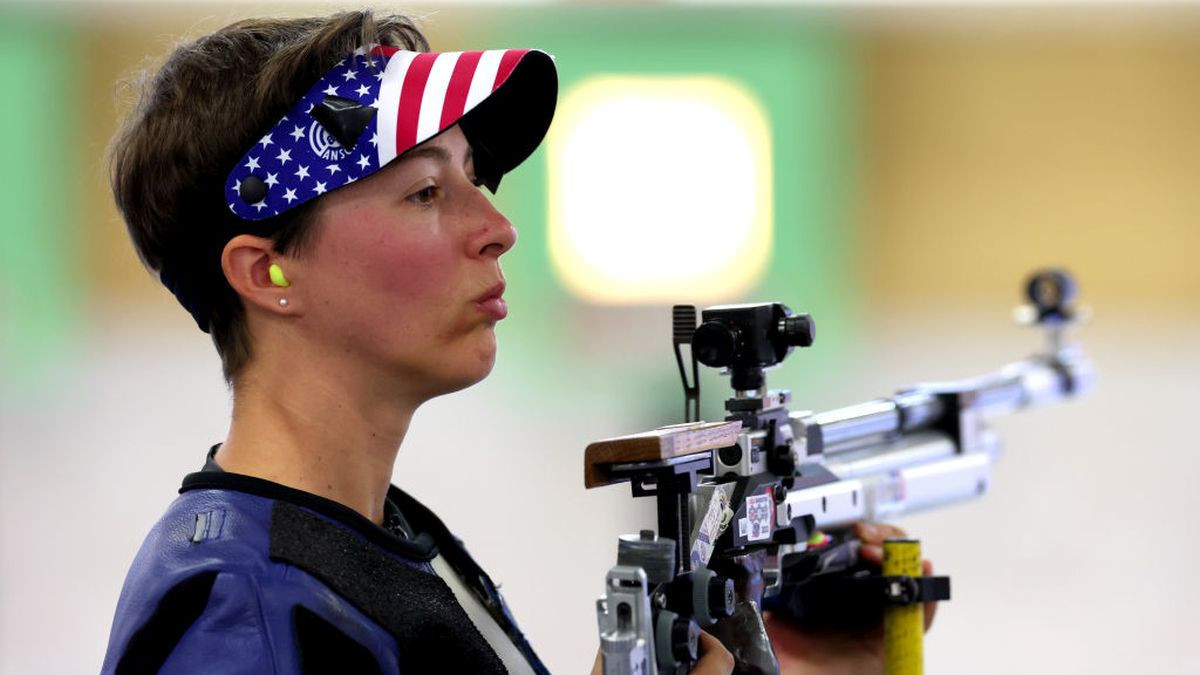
<point x="323" y="145"/>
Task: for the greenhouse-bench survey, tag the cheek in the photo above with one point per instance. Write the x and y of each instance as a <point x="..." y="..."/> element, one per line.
<point x="407" y="270"/>
<point x="413" y="271"/>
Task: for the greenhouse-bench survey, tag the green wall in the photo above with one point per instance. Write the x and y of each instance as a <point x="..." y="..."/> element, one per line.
<point x="40" y="290"/>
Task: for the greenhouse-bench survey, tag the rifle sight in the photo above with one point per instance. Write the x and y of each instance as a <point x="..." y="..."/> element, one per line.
<point x="746" y="339"/>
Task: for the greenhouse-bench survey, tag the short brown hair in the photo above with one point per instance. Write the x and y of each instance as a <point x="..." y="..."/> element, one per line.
<point x="194" y="118"/>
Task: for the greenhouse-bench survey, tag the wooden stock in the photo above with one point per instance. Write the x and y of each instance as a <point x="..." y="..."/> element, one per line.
<point x="662" y="443"/>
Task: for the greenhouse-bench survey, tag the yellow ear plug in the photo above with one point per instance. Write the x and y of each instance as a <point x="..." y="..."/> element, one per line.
<point x="277" y="277"/>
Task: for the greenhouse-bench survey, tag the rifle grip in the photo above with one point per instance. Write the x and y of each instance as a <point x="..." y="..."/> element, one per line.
<point x="744" y="634"/>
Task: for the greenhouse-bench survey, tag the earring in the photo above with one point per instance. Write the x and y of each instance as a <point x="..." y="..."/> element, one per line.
<point x="277" y="278"/>
<point x="283" y="302"/>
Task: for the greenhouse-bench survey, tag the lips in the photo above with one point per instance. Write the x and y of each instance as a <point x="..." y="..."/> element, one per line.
<point x="491" y="304"/>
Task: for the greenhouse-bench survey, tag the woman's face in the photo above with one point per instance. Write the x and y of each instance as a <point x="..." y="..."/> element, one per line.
<point x="404" y="275"/>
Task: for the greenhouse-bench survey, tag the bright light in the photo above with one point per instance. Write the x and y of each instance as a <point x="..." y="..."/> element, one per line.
<point x="660" y="189"/>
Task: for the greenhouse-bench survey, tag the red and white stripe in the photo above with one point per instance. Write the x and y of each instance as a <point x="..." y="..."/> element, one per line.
<point x="424" y="93"/>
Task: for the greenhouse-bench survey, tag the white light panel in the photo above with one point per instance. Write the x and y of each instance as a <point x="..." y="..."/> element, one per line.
<point x="660" y="189"/>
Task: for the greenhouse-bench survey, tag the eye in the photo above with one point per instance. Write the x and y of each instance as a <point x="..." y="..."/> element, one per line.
<point x="425" y="195"/>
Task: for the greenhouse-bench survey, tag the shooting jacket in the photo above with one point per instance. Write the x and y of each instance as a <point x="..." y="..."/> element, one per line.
<point x="243" y="575"/>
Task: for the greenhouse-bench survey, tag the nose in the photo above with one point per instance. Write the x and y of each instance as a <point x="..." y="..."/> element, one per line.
<point x="494" y="234"/>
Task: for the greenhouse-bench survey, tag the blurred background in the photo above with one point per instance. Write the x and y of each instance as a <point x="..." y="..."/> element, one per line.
<point x="895" y="171"/>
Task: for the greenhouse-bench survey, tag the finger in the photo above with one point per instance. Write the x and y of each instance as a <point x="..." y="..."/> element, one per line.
<point x="875" y="533"/>
<point x="714" y="658"/>
<point x="891" y="531"/>
<point x="871" y="553"/>
<point x="598" y="666"/>
<point x="930" y="607"/>
<point x="866" y="531"/>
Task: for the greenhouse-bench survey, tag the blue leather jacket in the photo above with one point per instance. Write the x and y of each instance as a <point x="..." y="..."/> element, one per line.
<point x="242" y="575"/>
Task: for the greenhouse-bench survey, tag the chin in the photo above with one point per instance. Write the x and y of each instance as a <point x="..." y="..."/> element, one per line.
<point x="485" y="354"/>
<point x="486" y="363"/>
<point x="481" y="367"/>
<point x="460" y="382"/>
<point x="470" y="364"/>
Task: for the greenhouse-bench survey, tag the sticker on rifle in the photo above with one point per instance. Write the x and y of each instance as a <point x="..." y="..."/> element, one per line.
<point x="709" y="528"/>
<point x="756" y="526"/>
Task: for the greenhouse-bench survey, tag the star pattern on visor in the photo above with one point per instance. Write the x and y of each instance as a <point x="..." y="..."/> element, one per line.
<point x="284" y="158"/>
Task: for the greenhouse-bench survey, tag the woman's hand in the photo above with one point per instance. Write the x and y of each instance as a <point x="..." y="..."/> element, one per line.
<point x="714" y="658"/>
<point x="803" y="652"/>
<point x="872" y="536"/>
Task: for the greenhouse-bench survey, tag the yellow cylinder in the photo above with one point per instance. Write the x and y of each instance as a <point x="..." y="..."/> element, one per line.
<point x="903" y="625"/>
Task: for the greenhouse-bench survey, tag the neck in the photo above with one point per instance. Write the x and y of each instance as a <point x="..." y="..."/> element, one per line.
<point x="317" y="430"/>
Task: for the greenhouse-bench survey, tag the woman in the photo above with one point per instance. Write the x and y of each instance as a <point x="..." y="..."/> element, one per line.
<point x="309" y="190"/>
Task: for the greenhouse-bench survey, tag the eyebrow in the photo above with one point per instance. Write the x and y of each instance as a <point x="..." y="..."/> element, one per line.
<point x="428" y="151"/>
<point x="435" y="152"/>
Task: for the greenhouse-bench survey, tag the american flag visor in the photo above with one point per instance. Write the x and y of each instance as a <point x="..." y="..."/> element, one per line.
<point x="376" y="104"/>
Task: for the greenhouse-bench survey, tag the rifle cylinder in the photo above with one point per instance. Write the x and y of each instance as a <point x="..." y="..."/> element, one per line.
<point x="924" y="447"/>
<point x="873" y="418"/>
<point x="846" y="428"/>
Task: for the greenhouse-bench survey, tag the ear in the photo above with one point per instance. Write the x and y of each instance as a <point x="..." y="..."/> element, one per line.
<point x="246" y="262"/>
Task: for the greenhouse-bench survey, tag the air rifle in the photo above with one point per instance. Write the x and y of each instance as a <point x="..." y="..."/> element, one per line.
<point x="754" y="511"/>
